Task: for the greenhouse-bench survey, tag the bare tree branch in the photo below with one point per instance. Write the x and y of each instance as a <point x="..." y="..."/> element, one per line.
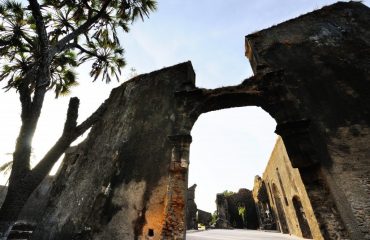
<point x="43" y="77"/>
<point x="79" y="47"/>
<point x="72" y="115"/>
<point x="80" y="129"/>
<point x="69" y="134"/>
<point x="40" y="25"/>
<point x="25" y="98"/>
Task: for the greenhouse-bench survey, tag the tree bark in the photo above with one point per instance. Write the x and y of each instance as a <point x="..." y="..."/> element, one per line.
<point x="16" y="198"/>
<point x="24" y="181"/>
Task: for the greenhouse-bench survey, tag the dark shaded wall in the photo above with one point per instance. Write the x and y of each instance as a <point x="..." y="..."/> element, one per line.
<point x="302" y="218"/>
<point x="204" y="217"/>
<point x="193" y="214"/>
<point x="223" y="217"/>
<point x="3" y="190"/>
<point x="128" y="179"/>
<point x="265" y="214"/>
<point x="34" y="209"/>
<point x="229" y="210"/>
<point x="243" y="198"/>
<point x="324" y="60"/>
<point x="191" y="209"/>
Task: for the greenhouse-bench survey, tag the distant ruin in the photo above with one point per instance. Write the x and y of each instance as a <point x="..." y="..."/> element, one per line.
<point x="191" y="209"/>
<point x="128" y="179"/>
<point x="279" y="201"/>
<point x="236" y="210"/>
<point x="195" y="216"/>
<point x="281" y="198"/>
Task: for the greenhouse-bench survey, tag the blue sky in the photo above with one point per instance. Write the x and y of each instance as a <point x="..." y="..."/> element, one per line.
<point x="230" y="146"/>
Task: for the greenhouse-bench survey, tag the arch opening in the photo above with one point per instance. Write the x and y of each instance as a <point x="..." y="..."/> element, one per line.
<point x="280" y="209"/>
<point x="301" y="216"/>
<point x="230" y="146"/>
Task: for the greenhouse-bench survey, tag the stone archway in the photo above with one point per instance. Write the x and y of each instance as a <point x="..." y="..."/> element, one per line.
<point x="301" y="216"/>
<point x="128" y="179"/>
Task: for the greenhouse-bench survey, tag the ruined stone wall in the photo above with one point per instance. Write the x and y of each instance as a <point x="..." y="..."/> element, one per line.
<point x="324" y="59"/>
<point x="243" y="198"/>
<point x="33" y="210"/>
<point x="191" y="209"/>
<point x="228" y="210"/>
<point x="223" y="218"/>
<point x="3" y="190"/>
<point x="128" y="179"/>
<point x="280" y="173"/>
<point x="265" y="214"/>
<point x="204" y="217"/>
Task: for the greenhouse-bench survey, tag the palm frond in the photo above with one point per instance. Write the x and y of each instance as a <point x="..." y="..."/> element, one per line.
<point x="6" y="167"/>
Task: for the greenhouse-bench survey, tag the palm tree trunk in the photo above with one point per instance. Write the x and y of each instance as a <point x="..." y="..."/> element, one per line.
<point x="24" y="181"/>
<point x="20" y="186"/>
<point x="16" y="197"/>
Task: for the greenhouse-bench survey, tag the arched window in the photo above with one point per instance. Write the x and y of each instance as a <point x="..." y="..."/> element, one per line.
<point x="301" y="216"/>
<point x="280" y="209"/>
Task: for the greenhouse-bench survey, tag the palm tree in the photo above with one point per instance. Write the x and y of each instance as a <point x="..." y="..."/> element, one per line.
<point x="40" y="47"/>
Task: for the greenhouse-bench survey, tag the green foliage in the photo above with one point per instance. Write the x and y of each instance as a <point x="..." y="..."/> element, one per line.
<point x="228" y="193"/>
<point x="92" y="26"/>
<point x="242" y="211"/>
<point x="214" y="218"/>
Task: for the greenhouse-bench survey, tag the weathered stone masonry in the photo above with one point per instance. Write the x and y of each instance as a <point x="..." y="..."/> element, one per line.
<point x="287" y="201"/>
<point x="325" y="58"/>
<point x="266" y="216"/>
<point x="128" y="179"/>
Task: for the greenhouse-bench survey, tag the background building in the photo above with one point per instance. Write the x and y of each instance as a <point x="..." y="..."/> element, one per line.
<point x="287" y="203"/>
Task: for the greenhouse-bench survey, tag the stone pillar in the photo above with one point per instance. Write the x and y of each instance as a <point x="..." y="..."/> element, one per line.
<point x="222" y="212"/>
<point x="191" y="209"/>
<point x="175" y="220"/>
